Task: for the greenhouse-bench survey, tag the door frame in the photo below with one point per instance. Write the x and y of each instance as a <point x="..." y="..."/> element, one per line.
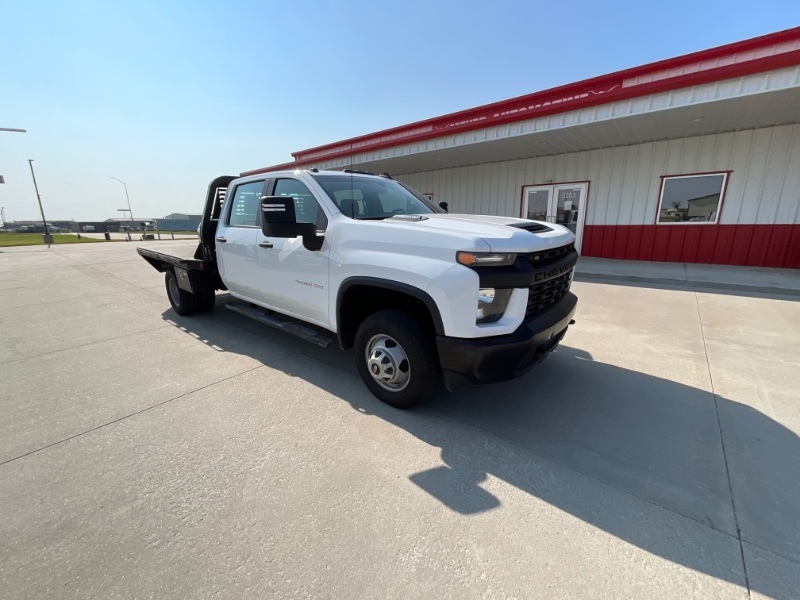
<point x="581" y="223"/>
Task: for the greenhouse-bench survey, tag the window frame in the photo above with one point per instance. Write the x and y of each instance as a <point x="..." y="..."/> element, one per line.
<point x="725" y="179"/>
<point x="232" y="200"/>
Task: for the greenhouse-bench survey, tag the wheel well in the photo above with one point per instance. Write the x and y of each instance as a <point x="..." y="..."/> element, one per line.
<point x="360" y="301"/>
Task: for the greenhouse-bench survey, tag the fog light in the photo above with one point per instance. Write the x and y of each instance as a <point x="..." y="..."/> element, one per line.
<point x="492" y="304"/>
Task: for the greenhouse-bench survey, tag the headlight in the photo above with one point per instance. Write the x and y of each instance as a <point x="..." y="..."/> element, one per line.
<point x="485" y="259"/>
<point x="492" y="304"/>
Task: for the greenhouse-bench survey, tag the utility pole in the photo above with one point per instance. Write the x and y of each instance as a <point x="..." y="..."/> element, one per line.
<point x="48" y="239"/>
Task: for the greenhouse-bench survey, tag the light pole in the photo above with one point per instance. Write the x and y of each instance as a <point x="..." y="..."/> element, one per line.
<point x="128" y="198"/>
<point x="48" y="239"/>
<point x="13" y="130"/>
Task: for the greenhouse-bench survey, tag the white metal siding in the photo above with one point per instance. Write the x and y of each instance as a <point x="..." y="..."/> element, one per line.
<point x="763" y="188"/>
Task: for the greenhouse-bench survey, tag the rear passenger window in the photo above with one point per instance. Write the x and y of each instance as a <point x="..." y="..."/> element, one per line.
<point x="245" y="203"/>
<point x="306" y="207"/>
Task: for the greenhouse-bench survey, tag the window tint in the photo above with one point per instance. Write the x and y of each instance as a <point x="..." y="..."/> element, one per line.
<point x="691" y="198"/>
<point x="306" y="208"/>
<point x="244" y="207"/>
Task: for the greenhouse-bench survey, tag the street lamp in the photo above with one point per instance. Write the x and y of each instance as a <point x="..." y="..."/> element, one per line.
<point x="130" y="212"/>
<point x="48" y="239"/>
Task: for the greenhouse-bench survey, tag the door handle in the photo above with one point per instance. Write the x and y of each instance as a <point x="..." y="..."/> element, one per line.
<point x="221" y="239"/>
<point x="265" y="245"/>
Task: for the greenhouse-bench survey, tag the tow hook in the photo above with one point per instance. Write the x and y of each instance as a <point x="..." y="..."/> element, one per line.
<point x="572" y="322"/>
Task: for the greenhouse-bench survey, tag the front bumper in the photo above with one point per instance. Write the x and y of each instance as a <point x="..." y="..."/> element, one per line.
<point x="489" y="360"/>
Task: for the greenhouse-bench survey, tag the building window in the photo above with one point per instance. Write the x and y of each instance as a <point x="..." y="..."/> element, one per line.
<point x="690" y="199"/>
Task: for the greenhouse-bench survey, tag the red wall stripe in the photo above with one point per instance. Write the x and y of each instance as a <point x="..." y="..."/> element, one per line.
<point x="779" y="244"/>
<point x="691" y="244"/>
<point x="793" y="252"/>
<point x="740" y="249"/>
<point x="747" y="245"/>
<point x="675" y="244"/>
<point x="705" y="247"/>
<point x="621" y="241"/>
<point x="634" y="241"/>
<point x="724" y="245"/>
<point x="648" y="242"/>
<point x="608" y="241"/>
<point x="759" y="247"/>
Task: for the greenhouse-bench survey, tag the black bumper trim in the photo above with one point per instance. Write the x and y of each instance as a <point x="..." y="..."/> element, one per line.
<point x="477" y="361"/>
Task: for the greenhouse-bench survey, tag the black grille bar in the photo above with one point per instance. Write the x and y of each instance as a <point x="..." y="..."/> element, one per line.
<point x="538" y="259"/>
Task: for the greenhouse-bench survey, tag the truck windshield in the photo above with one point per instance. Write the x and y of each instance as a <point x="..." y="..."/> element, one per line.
<point x="373" y="197"/>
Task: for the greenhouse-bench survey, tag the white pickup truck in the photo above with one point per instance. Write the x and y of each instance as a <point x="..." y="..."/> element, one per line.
<point x="369" y="262"/>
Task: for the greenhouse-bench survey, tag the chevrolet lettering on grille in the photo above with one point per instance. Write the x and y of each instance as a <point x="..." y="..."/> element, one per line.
<point x="554" y="272"/>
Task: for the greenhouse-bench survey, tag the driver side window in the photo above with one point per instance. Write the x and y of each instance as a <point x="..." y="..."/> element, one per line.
<point x="306" y="207"/>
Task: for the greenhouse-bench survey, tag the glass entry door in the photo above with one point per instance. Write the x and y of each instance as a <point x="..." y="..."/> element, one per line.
<point x="564" y="204"/>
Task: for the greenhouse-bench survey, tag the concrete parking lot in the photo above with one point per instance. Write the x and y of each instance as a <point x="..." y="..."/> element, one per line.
<point x="142" y="454"/>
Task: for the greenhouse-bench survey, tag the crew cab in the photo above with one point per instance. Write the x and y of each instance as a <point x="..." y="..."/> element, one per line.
<point x="419" y="294"/>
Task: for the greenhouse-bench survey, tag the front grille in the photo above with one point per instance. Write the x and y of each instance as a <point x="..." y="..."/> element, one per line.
<point x="540" y="258"/>
<point x="547" y="293"/>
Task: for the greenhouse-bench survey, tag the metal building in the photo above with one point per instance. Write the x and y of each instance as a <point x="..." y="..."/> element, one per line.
<point x="690" y="159"/>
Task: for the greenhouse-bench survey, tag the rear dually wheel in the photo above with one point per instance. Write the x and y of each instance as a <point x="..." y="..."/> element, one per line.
<point x="184" y="303"/>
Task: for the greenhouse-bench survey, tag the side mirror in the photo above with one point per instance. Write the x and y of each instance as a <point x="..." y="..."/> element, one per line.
<point x="278" y="219"/>
<point x="443" y="206"/>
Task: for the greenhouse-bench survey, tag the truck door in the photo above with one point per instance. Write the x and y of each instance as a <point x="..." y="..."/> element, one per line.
<point x="236" y="240"/>
<point x="292" y="279"/>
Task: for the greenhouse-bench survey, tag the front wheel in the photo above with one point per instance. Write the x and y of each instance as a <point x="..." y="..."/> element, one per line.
<point x="396" y="358"/>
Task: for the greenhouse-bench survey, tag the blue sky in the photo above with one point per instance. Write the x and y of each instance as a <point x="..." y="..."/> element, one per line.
<point x="167" y="95"/>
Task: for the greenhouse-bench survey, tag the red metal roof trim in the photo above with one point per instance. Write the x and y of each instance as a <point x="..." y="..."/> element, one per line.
<point x="574" y="96"/>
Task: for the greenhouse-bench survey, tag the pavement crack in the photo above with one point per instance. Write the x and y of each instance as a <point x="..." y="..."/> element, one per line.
<point x="724" y="450"/>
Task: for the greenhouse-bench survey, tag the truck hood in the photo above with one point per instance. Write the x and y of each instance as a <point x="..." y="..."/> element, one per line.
<point x="492" y="230"/>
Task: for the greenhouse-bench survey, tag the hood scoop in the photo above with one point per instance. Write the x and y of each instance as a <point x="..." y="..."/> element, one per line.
<point x="532" y="227"/>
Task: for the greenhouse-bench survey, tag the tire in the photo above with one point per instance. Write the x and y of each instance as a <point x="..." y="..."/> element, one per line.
<point x="396" y="359"/>
<point x="205" y="300"/>
<point x="184" y="303"/>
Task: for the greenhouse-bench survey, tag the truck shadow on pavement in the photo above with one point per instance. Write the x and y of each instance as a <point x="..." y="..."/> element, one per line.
<point x="609" y="446"/>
